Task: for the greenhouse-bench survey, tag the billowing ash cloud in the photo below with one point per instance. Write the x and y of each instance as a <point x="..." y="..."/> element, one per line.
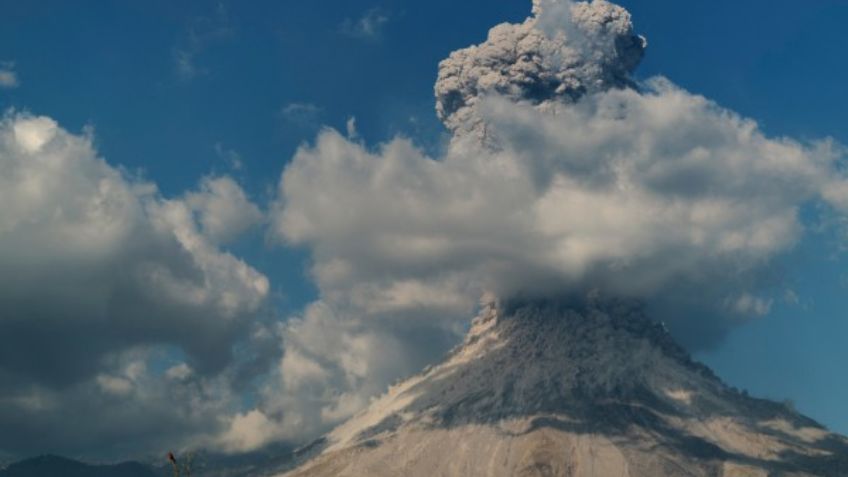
<point x="111" y="294"/>
<point x="564" y="178"/>
<point x="560" y="54"/>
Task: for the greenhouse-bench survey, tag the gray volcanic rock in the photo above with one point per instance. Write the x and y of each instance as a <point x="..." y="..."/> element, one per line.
<point x="546" y="389"/>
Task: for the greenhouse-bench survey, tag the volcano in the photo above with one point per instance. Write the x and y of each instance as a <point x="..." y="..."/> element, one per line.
<point x="549" y="389"/>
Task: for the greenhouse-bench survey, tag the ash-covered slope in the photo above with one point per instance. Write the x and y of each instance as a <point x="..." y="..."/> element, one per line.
<point x="544" y="390"/>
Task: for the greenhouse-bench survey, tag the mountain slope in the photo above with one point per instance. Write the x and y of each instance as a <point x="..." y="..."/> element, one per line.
<point x="544" y="389"/>
<point x="54" y="466"/>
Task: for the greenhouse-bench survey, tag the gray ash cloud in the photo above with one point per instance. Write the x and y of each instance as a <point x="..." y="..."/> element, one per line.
<point x="563" y="52"/>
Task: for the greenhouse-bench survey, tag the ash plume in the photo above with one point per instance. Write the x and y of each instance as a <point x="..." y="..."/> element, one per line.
<point x="565" y="177"/>
<point x="560" y="54"/>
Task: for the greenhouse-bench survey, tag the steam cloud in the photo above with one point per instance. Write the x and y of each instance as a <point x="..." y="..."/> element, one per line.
<point x="564" y="176"/>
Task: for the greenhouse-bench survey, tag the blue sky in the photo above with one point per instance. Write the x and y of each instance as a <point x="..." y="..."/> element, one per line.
<point x="176" y="91"/>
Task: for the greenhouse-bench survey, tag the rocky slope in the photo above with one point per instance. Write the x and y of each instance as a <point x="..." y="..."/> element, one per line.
<point x="545" y="390"/>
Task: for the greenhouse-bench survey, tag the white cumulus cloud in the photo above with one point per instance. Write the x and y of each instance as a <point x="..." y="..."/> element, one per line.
<point x="224" y="210"/>
<point x="97" y="271"/>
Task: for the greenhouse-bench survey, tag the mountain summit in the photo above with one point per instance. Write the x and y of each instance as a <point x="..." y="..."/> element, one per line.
<point x="547" y="389"/>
